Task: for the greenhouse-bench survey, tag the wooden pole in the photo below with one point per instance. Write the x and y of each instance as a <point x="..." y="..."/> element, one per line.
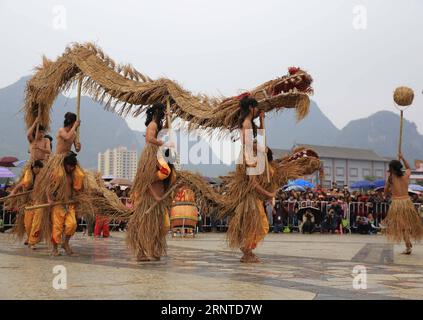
<point x="38" y="123"/>
<point x="78" y="107"/>
<point x="46" y="205"/>
<point x="265" y="146"/>
<point x="15" y="195"/>
<point x="167" y="194"/>
<point x="400" y="135"/>
<point x="169" y="127"/>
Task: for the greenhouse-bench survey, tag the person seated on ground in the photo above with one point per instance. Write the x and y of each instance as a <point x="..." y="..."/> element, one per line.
<point x="308" y="225"/>
<point x="372" y="229"/>
<point x="363" y="226"/>
<point x="330" y="224"/>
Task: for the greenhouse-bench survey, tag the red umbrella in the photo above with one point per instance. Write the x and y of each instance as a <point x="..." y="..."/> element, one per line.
<point x="8" y="161"/>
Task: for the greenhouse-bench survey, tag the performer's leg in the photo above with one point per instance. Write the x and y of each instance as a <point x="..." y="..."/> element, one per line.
<point x="70" y="228"/>
<point x="408" y="245"/>
<point x="249" y="256"/>
<point x="58" y="218"/>
<point x="28" y="218"/>
<point x="97" y="228"/>
<point x="106" y="228"/>
<point x="142" y="257"/>
<point x="35" y="230"/>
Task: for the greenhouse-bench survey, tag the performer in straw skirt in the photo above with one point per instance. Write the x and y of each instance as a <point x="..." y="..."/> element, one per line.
<point x="63" y="217"/>
<point x="247" y="190"/>
<point x="53" y="180"/>
<point x="147" y="230"/>
<point x="28" y="222"/>
<point x="403" y="222"/>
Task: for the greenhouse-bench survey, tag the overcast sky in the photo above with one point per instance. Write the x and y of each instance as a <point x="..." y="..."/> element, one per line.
<point x="215" y="47"/>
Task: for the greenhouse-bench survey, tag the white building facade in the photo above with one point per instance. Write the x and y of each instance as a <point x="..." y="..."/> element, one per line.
<point x="118" y="163"/>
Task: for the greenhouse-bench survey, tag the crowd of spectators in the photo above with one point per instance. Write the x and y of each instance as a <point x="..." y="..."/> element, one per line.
<point x="339" y="210"/>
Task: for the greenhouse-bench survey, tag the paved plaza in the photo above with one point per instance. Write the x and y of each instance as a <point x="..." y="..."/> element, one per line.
<point x="293" y="266"/>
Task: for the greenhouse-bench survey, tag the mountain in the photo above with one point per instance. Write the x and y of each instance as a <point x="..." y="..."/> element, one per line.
<point x="100" y="130"/>
<point x="283" y="130"/>
<point x="380" y="133"/>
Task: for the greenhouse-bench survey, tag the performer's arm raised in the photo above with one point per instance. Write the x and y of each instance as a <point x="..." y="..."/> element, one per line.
<point x="30" y="132"/>
<point x="406" y="164"/>
<point x="71" y="133"/>
<point x="151" y="134"/>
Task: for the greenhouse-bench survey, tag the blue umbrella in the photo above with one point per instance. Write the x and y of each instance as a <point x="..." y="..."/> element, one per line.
<point x="364" y="184"/>
<point x="415" y="187"/>
<point x="379" y="183"/>
<point x="293" y="187"/>
<point x="20" y="163"/>
<point x="301" y="183"/>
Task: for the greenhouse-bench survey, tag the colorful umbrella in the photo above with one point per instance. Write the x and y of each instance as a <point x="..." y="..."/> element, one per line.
<point x="6" y="173"/>
<point x="362" y="185"/>
<point x="296" y="188"/>
<point x="379" y="183"/>
<point x="415" y="187"/>
<point x="301" y="183"/>
<point x="8" y="161"/>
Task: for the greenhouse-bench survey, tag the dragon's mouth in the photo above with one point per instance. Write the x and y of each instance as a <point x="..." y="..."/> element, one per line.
<point x="302" y="153"/>
<point x="297" y="81"/>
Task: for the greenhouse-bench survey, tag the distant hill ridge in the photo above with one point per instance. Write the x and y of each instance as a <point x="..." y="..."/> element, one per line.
<point x="101" y="130"/>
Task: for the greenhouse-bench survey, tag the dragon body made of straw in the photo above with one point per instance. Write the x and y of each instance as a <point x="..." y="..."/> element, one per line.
<point x="124" y="90"/>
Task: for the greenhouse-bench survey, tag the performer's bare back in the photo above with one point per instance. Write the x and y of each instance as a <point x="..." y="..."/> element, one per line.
<point x="399" y="185"/>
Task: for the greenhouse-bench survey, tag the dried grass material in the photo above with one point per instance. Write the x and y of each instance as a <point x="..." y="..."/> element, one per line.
<point x="285" y="171"/>
<point x="403" y="96"/>
<point x="403" y="220"/>
<point x="242" y="200"/>
<point x="245" y="224"/>
<point x="202" y="189"/>
<point x="97" y="199"/>
<point x="18" y="230"/>
<point x="146" y="170"/>
<point x="51" y="180"/>
<point x="124" y="90"/>
<point x="147" y="231"/>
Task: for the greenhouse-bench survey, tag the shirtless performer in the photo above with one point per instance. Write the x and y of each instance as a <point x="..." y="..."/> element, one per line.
<point x="53" y="182"/>
<point x="39" y="146"/>
<point x="249" y="225"/>
<point x="66" y="136"/>
<point x="32" y="218"/>
<point x="40" y="150"/>
<point x="147" y="231"/>
<point x="63" y="215"/>
<point x="403" y="222"/>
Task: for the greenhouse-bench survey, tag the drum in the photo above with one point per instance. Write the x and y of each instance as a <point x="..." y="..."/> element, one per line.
<point x="184" y="212"/>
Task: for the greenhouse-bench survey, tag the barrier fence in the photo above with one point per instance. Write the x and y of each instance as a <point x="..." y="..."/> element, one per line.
<point x="348" y="213"/>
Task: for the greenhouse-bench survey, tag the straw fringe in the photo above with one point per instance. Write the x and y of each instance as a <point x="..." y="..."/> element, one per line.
<point x="147" y="232"/>
<point x="403" y="219"/>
